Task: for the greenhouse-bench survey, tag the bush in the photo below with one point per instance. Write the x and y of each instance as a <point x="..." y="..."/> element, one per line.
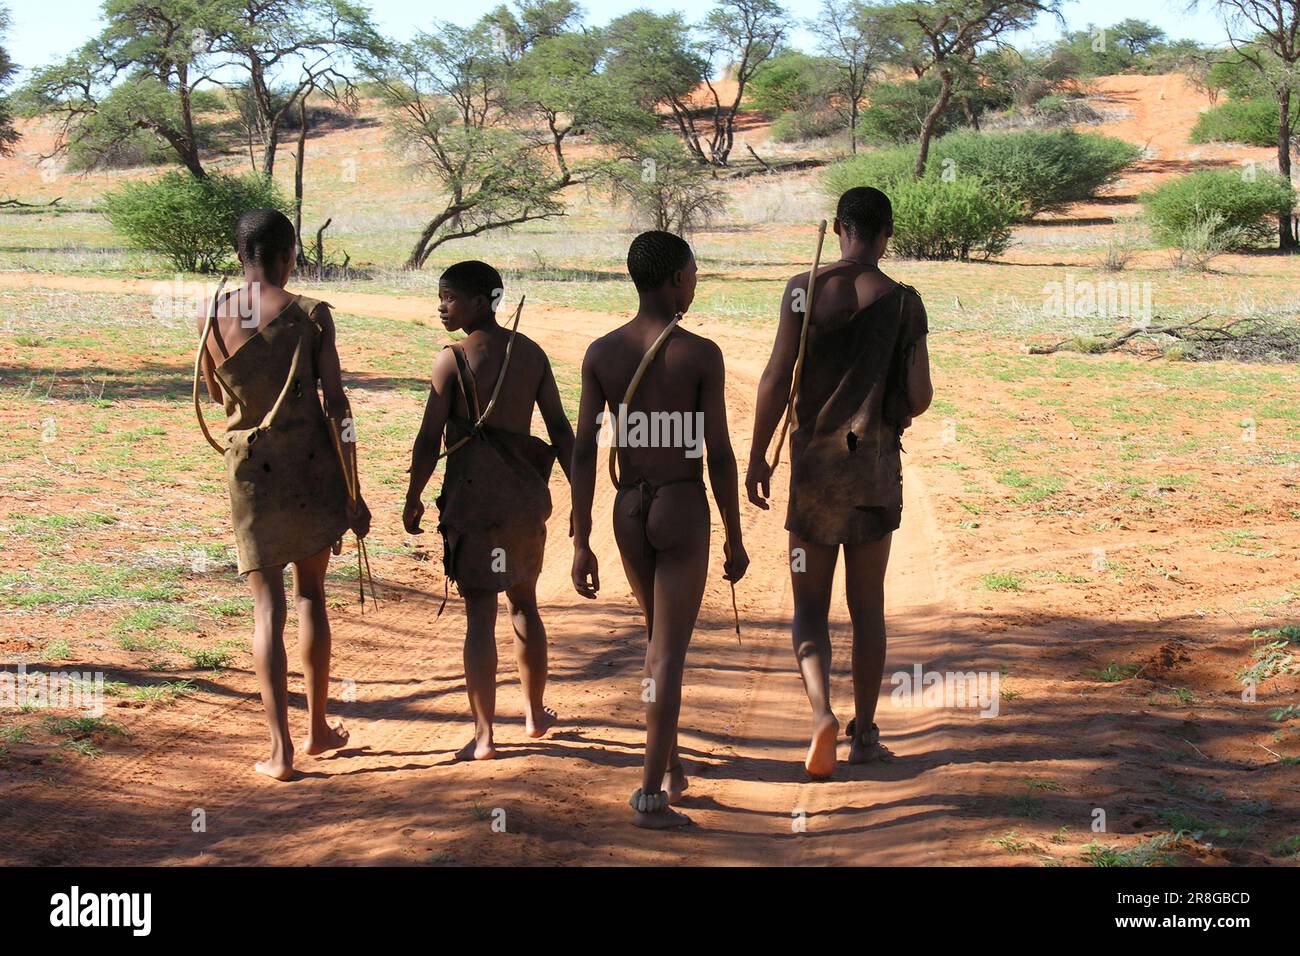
<point x="1252" y="121"/>
<point x="882" y="168"/>
<point x="189" y="221"/>
<point x="1036" y="171"/>
<point x="1218" y="208"/>
<point x="789" y="81"/>
<point x="962" y="219"/>
<point x="798" y="127"/>
<point x="673" y="192"/>
<point x="1040" y="171"/>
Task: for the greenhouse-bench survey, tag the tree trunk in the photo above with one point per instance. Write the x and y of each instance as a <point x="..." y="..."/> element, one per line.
<point x="930" y="121"/>
<point x="1286" y="238"/>
<point x="298" y="163"/>
<point x="268" y="153"/>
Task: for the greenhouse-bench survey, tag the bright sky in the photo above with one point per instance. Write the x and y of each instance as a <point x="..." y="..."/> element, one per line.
<point x="41" y="32"/>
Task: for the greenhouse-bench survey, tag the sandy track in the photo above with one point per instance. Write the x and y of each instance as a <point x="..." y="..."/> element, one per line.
<point x="394" y="796"/>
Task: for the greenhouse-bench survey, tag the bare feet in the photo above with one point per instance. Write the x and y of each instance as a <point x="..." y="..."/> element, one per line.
<point x="277" y="768"/>
<point x="676" y="783"/>
<point x="820" y="761"/>
<point x="867" y="748"/>
<point x="541" y="722"/>
<point x="331" y="739"/>
<point x="474" y="750"/>
<point x="665" y="819"/>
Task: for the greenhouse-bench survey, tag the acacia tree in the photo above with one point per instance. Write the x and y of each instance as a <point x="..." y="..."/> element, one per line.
<point x="517" y="29"/>
<point x="653" y="59"/>
<point x="558" y="84"/>
<point x="449" y="113"/>
<point x="857" y="39"/>
<point x="8" y="134"/>
<point x="305" y="43"/>
<point x="1266" y="34"/>
<point x="944" y="37"/>
<point x="742" y="34"/>
<point x="161" y="51"/>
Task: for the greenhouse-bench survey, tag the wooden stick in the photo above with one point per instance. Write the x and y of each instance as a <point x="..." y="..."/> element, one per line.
<point x="198" y="366"/>
<point x="803" y="345"/>
<point x="735" y="613"/>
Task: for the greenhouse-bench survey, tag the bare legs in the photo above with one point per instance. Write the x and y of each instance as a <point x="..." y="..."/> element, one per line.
<point x="667" y="575"/>
<point x="481" y="671"/>
<point x="530" y="654"/>
<point x="270" y="661"/>
<point x="481" y="664"/>
<point x="812" y="573"/>
<point x="314" y="644"/>
<point x="864" y="571"/>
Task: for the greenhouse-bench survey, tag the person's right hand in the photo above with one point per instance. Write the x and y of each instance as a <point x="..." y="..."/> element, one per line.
<point x="586" y="572"/>
<point x="411" y="516"/>
<point x="737" y="562"/>
<point x="758" y="476"/>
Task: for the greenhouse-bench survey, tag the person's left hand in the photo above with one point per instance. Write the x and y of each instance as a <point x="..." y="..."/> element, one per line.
<point x="411" y="516"/>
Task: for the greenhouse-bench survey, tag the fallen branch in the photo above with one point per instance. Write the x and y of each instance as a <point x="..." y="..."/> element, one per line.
<point x="757" y="157"/>
<point x="18" y="204"/>
<point x="1248" y="339"/>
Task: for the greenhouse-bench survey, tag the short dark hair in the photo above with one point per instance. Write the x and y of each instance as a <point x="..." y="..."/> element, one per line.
<point x="264" y="235"/>
<point x="654" y="256"/>
<point x="865" y="212"/>
<point x="472" y="277"/>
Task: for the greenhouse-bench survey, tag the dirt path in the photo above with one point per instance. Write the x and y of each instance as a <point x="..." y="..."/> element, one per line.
<point x="394" y="795"/>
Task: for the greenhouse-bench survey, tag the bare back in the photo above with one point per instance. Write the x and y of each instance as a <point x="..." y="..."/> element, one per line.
<point x="485" y="352"/>
<point x="673" y="383"/>
<point x="241" y="314"/>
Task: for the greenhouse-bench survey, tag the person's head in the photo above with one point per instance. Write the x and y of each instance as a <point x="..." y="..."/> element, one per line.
<point x="264" y="239"/>
<point x="864" y="218"/>
<point x="662" y="266"/>
<point x="468" y="292"/>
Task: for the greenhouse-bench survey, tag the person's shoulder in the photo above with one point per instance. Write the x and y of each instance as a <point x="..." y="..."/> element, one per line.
<point x="530" y="349"/>
<point x="604" y="344"/>
<point x="697" y="345"/>
<point x="799" y="280"/>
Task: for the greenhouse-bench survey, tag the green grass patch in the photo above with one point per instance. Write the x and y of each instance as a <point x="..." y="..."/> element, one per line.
<point x="1001" y="581"/>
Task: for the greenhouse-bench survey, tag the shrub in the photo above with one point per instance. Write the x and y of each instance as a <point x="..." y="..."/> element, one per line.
<point x="1252" y="121"/>
<point x="789" y="81"/>
<point x="962" y="219"/>
<point x="668" y="190"/>
<point x="1224" y="204"/>
<point x="1203" y="239"/>
<point x="189" y="221"/>
<point x="1040" y="171"/>
<point x="882" y="168"/>
<point x="797" y="127"/>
